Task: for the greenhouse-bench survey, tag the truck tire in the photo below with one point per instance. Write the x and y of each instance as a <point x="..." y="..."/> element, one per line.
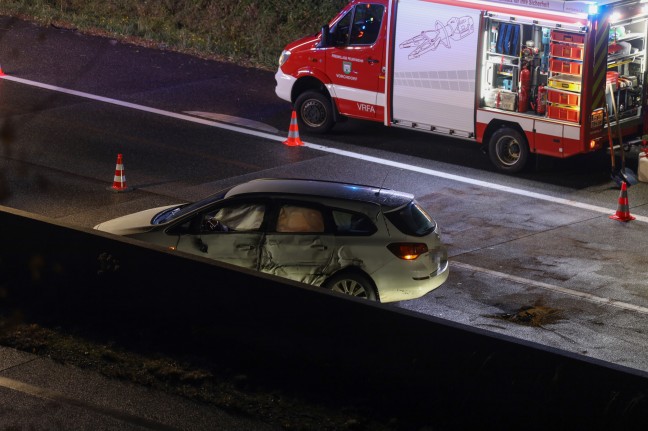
<point x="508" y="150"/>
<point x="314" y="112"/>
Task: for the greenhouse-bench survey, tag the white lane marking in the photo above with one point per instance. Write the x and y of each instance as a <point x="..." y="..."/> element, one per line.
<point x="583" y="295"/>
<point x="162" y="112"/>
<point x="229" y="119"/>
<point x="59" y="397"/>
<point x="350" y="154"/>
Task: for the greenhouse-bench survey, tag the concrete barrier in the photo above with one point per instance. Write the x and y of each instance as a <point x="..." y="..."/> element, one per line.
<point x="316" y="342"/>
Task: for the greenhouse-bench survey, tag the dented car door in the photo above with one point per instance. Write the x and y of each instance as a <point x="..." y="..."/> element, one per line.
<point x="300" y="247"/>
<point x="230" y="233"/>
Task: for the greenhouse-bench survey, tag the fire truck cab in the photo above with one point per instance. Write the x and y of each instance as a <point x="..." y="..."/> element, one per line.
<point x="548" y="77"/>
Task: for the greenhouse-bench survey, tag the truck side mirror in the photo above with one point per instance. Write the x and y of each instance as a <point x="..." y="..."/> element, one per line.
<point x="326" y="39"/>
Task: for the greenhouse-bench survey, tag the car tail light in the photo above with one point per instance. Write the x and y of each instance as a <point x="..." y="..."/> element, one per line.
<point x="407" y="250"/>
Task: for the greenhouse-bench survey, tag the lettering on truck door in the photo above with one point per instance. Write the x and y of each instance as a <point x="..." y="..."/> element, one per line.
<point x="355" y="64"/>
<point x="435" y="66"/>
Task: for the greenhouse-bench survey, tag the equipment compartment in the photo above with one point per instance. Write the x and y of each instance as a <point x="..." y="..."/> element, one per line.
<point x="555" y="96"/>
<point x="563" y="112"/>
<point x="560" y="36"/>
<point x="566" y="82"/>
<point x="562" y="66"/>
<point x="567" y="51"/>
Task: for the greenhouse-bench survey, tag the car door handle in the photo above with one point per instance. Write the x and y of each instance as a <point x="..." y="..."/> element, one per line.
<point x="245" y="247"/>
<point x="319" y="246"/>
<point x="372" y="61"/>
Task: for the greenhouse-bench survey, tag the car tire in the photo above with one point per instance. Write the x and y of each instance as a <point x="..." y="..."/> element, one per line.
<point x="508" y="150"/>
<point x="314" y="112"/>
<point x="354" y="284"/>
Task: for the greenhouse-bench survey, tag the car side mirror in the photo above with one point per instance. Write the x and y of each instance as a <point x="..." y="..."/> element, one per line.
<point x="186" y="227"/>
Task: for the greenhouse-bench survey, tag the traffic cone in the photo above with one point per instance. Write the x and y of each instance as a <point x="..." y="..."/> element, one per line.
<point x="119" y="183"/>
<point x="293" y="132"/>
<point x="1" y="72"/>
<point x="623" y="210"/>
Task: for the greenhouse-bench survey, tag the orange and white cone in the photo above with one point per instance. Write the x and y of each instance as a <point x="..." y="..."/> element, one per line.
<point x="293" y="132"/>
<point x="119" y="182"/>
<point x="623" y="209"/>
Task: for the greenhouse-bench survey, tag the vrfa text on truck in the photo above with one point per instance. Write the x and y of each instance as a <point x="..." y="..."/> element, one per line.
<point x="548" y="77"/>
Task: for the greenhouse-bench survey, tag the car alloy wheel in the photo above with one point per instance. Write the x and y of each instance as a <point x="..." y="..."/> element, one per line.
<point x="352" y="284"/>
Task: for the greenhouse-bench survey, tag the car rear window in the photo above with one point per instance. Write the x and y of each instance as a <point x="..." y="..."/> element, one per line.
<point x="412" y="220"/>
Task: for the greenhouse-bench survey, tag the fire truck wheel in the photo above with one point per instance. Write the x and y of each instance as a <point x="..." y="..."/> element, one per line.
<point x="315" y="112"/>
<point x="508" y="150"/>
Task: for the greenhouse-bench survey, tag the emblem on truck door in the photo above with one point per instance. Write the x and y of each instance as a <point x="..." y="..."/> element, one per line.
<point x="346" y="67"/>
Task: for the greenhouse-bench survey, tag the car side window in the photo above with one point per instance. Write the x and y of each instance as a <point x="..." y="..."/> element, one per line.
<point x="350" y="223"/>
<point x="300" y="219"/>
<point x="236" y="217"/>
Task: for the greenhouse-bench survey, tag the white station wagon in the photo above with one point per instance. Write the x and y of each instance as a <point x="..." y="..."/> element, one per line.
<point x="359" y="240"/>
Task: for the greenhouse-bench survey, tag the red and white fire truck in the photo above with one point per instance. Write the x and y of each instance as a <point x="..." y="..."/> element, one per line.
<point x="548" y="77"/>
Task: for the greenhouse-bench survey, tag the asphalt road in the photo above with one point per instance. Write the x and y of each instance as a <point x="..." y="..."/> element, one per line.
<point x="541" y="239"/>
